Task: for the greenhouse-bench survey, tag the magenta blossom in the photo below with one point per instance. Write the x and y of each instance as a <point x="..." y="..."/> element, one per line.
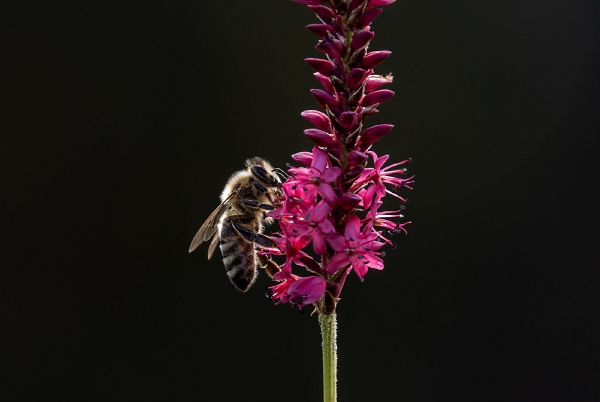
<point x="379" y="176"/>
<point x="317" y="176"/>
<point x="298" y="291"/>
<point x="292" y="248"/>
<point x="355" y="248"/>
<point x="333" y="199"/>
<point x="316" y="225"/>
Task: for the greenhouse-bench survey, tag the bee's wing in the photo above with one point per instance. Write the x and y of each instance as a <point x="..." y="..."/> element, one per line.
<point x="209" y="228"/>
<point x="213" y="245"/>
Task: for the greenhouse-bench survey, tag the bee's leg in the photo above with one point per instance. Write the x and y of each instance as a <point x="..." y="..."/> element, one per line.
<point x="249" y="235"/>
<point x="256" y="204"/>
<point x="263" y="190"/>
<point x="268" y="264"/>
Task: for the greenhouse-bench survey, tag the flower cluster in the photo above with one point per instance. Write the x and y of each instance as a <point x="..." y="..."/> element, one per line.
<point x="333" y="200"/>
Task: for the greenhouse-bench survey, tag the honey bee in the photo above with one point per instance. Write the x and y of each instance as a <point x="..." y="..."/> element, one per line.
<point x="237" y="224"/>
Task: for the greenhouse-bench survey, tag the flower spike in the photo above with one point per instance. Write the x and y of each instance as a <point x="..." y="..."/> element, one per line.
<point x="333" y="199"/>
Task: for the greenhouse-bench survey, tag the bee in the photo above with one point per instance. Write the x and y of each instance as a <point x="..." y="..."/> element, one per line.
<point x="237" y="224"/>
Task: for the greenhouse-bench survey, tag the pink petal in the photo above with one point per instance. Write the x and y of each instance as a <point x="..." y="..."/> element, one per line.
<point x="320" y="211"/>
<point x="367" y="232"/>
<point x="318" y="242"/>
<point x="338" y="242"/>
<point x="368" y="196"/>
<point x="285" y="273"/>
<point x="330" y="174"/>
<point x="379" y="189"/>
<point x="298" y="243"/>
<point x="328" y="194"/>
<point x="309" y="198"/>
<point x="337" y="262"/>
<point x="374" y="261"/>
<point x="378" y="161"/>
<point x="309" y="289"/>
<point x="360" y="266"/>
<point x="278" y="293"/>
<point x="376" y="245"/>
<point x="304" y="158"/>
<point x="297" y="228"/>
<point x="320" y="159"/>
<point x="352" y="230"/>
<point x="326" y="227"/>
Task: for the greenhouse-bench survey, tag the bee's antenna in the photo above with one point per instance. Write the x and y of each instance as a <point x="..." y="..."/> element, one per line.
<point x="281" y="173"/>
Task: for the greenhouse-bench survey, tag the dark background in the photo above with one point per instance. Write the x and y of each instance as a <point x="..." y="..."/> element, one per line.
<point x="121" y="121"/>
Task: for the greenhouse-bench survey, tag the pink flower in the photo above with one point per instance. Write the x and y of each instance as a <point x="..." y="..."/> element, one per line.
<point x="379" y="218"/>
<point x="297" y="200"/>
<point x="315" y="224"/>
<point x="317" y="176"/>
<point x="379" y="176"/>
<point x="355" y="248"/>
<point x="292" y="248"/>
<point x="297" y="291"/>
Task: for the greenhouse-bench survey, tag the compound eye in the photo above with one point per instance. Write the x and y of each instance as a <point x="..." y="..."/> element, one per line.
<point x="260" y="172"/>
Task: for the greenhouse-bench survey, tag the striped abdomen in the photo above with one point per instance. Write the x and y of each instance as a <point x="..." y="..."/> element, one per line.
<point x="238" y="256"/>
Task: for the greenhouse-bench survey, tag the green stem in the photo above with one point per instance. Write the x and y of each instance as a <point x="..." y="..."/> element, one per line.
<point x="329" y="333"/>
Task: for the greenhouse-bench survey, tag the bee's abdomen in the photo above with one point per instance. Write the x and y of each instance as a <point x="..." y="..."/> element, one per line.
<point x="238" y="257"/>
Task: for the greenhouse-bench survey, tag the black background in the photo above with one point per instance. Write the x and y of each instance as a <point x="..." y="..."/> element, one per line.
<point x="121" y="121"/>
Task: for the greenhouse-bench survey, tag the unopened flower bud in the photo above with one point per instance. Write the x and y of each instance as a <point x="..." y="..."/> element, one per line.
<point x="324" y="98"/>
<point x="356" y="158"/>
<point x="323" y="80"/>
<point x="319" y="119"/>
<point x="356" y="77"/>
<point x="324" y="67"/>
<point x="361" y="39"/>
<point x="348" y="119"/>
<point x="375" y="81"/>
<point x="372" y="134"/>
<point x="377" y="97"/>
<point x="320" y="29"/>
<point x="319" y="137"/>
<point x="368" y="17"/>
<point x="373" y="59"/>
<point x="323" y="12"/>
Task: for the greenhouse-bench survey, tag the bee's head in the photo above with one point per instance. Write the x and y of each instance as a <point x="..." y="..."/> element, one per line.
<point x="263" y="172"/>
